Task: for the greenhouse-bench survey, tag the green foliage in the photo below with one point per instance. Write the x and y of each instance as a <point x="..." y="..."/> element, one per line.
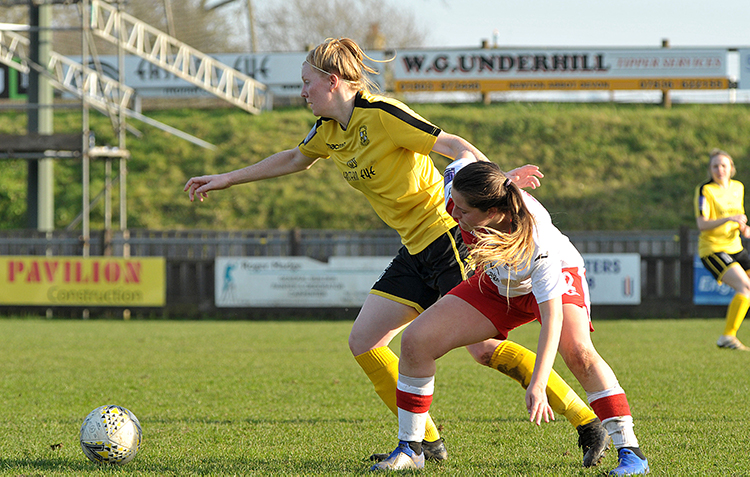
<point x="607" y="166"/>
<point x="287" y="398"/>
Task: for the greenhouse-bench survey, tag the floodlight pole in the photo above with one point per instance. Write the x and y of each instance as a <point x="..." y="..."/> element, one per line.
<point x="85" y="135"/>
<point x="40" y="178"/>
<point x="121" y="133"/>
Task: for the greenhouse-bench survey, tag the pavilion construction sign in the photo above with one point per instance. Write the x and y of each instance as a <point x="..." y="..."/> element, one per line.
<point x="82" y="281"/>
<point x="485" y="70"/>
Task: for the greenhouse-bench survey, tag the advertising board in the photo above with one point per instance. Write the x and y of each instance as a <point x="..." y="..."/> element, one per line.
<point x="706" y="290"/>
<point x="614" y="278"/>
<point x="280" y="72"/>
<point x="291" y="282"/>
<point x="484" y="70"/>
<point x="270" y="282"/>
<point x="77" y="281"/>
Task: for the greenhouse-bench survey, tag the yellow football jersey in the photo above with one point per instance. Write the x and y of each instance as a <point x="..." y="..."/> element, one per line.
<point x="715" y="202"/>
<point x="384" y="153"/>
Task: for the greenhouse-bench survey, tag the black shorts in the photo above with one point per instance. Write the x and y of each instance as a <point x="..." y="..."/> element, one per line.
<point x="419" y="280"/>
<point x="718" y="263"/>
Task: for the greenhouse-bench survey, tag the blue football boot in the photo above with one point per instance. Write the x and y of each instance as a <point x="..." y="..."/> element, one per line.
<point x="629" y="464"/>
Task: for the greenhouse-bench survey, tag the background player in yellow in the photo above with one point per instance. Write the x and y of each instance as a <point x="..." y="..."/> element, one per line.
<point x="720" y="215"/>
<point x="381" y="147"/>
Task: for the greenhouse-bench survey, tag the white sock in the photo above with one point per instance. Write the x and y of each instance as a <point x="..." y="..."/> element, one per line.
<point x="620" y="429"/>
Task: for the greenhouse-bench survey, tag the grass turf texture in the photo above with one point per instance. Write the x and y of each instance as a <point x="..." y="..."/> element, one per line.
<point x="287" y="398"/>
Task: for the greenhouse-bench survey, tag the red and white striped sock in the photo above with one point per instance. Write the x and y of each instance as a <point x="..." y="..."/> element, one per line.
<point x="612" y="408"/>
<point x="413" y="398"/>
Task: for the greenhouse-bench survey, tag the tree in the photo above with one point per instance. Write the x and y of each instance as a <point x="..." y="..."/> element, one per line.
<point x="294" y="25"/>
<point x="280" y="25"/>
<point x="207" y="30"/>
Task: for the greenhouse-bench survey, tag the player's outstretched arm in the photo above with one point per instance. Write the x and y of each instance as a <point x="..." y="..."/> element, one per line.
<point x="279" y="164"/>
<point x="549" y="340"/>
<point x="456" y="147"/>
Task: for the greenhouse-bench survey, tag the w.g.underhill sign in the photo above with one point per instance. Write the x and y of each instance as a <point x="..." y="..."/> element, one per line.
<point x="560" y="69"/>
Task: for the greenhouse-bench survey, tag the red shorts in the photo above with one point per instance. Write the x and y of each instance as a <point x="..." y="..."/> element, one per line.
<point x="510" y="313"/>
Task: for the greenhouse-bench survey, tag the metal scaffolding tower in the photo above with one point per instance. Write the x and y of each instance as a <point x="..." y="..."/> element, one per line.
<point x="176" y="57"/>
<point x="67" y="75"/>
<point x="110" y="97"/>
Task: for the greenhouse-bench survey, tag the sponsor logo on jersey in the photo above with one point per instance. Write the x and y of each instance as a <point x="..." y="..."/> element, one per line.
<point x="363" y="139"/>
<point x="336" y="147"/>
<point x="449" y="173"/>
<point x="352" y="163"/>
<point x="363" y="174"/>
<point x="570" y="282"/>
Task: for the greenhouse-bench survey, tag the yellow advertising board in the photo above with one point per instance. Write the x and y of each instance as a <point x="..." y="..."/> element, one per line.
<point x="559" y="84"/>
<point x="561" y="69"/>
<point x="78" y="281"/>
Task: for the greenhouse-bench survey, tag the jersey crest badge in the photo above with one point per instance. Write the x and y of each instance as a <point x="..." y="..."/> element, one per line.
<point x="363" y="139"/>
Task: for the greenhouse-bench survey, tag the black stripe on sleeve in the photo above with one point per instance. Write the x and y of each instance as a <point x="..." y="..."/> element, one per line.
<point x="397" y="112"/>
<point x="313" y="131"/>
<point x="701" y="196"/>
<point x="700" y="190"/>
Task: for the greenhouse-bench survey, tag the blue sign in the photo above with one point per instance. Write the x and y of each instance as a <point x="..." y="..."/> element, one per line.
<point x="706" y="290"/>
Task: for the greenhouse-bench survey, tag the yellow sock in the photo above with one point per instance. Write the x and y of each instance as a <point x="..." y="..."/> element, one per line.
<point x="736" y="313"/>
<point x="381" y="366"/>
<point x="517" y="362"/>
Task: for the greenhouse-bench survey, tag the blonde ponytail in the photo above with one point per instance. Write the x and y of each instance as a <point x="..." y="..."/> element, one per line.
<point x="483" y="185"/>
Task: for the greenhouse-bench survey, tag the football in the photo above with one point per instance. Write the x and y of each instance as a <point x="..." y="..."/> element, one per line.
<point x="111" y="434"/>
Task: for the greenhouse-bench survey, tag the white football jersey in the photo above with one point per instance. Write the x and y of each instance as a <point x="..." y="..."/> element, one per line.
<point x="553" y="251"/>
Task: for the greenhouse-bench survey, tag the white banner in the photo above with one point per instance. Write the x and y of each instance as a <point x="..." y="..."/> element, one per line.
<point x="744" y="82"/>
<point x="280" y="72"/>
<point x="614" y="278"/>
<point x="294" y="282"/>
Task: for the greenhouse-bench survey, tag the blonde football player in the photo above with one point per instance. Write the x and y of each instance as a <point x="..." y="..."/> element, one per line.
<point x="381" y="148"/>
<point x="721" y="219"/>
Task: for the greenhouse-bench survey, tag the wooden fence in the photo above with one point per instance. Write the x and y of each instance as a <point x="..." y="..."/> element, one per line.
<point x="666" y="263"/>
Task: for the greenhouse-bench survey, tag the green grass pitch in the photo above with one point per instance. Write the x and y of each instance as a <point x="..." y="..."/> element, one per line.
<point x="287" y="398"/>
